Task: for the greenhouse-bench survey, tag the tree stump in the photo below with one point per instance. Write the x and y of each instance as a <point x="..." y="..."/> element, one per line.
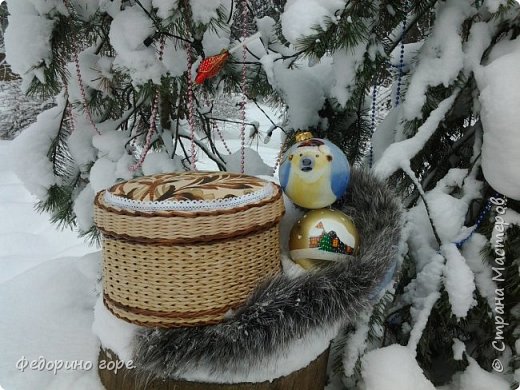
<point x="312" y="377"/>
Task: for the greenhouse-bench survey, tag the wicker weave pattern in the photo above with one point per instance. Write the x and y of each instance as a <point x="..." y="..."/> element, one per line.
<point x="182" y="227"/>
<point x="145" y="284"/>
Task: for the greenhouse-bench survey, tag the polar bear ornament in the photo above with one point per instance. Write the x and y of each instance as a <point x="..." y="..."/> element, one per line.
<point x="314" y="172"/>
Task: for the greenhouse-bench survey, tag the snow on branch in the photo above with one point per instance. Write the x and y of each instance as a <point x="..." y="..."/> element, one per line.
<point x="401" y="152"/>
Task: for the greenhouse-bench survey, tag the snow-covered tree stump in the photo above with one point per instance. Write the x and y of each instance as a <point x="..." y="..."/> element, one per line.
<point x="312" y="377"/>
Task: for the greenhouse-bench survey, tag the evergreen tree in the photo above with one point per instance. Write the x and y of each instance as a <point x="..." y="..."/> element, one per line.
<point x="400" y="86"/>
<point x="17" y="110"/>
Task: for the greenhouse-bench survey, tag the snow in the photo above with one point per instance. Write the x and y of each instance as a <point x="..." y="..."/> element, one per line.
<point x="447" y="267"/>
<point x="84" y="209"/>
<point x="253" y="163"/>
<point x="46" y="301"/>
<point x="291" y="216"/>
<point x="475" y="378"/>
<point x="384" y="133"/>
<point x="441" y="56"/>
<point x="96" y="70"/>
<point x="494" y="5"/>
<point x="500" y="98"/>
<point x="85" y="8"/>
<point x="423" y="291"/>
<point x="102" y="174"/>
<point x="442" y="203"/>
<point x="459" y="348"/>
<point x="266" y="27"/>
<point x="304" y="89"/>
<point x="356" y="343"/>
<point x="124" y="167"/>
<point x="27" y="37"/>
<point x="112" y="164"/>
<point x="111" y="7"/>
<point x="502" y="48"/>
<point x="128" y="31"/>
<point x="459" y="281"/>
<point x="160" y="162"/>
<point x="479" y="39"/>
<point x="21" y="225"/>
<point x="165" y="8"/>
<point x="511" y="217"/>
<point x="481" y="270"/>
<point x="411" y="53"/>
<point x="111" y="144"/>
<point x="54" y="324"/>
<point x="174" y="59"/>
<point x="114" y="333"/>
<point x="401" y="152"/>
<point x="80" y="146"/>
<point x="296" y="24"/>
<point x="203" y="11"/>
<point x="214" y="41"/>
<point x="298" y="354"/>
<point x="345" y="65"/>
<point x="35" y="169"/>
<point x="421" y="319"/>
<point x="393" y="368"/>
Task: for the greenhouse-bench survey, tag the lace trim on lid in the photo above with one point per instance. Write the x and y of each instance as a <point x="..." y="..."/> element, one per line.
<point x="189" y="205"/>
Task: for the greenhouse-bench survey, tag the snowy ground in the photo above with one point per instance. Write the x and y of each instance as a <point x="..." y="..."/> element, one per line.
<point x="48" y="287"/>
<point x="47" y="291"/>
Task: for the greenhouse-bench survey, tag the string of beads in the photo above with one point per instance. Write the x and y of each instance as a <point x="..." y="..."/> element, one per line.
<point x="79" y="77"/>
<point x="398" y="89"/>
<point x="191" y="107"/>
<point x="153" y="118"/>
<point x="244" y="90"/>
<point x="480" y="219"/>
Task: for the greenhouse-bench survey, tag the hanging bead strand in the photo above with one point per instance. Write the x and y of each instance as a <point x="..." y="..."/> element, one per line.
<point x="217" y="129"/>
<point x="191" y="108"/>
<point x="82" y="89"/>
<point x="373" y="123"/>
<point x="190" y="99"/>
<point x="480" y="219"/>
<point x="401" y="56"/>
<point x="75" y="57"/>
<point x="283" y="148"/>
<point x="153" y="118"/>
<point x="244" y="90"/>
<point x="399" y="82"/>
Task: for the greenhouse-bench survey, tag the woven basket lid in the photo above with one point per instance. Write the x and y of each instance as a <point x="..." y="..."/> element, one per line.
<point x="198" y="206"/>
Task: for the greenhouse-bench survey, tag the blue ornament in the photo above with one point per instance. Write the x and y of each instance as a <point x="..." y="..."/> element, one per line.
<point x="314" y="172"/>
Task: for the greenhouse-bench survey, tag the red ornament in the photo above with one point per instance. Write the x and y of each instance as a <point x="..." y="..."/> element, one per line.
<point x="211" y="66"/>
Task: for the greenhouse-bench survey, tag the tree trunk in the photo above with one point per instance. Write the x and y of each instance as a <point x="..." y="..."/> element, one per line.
<point x="312" y="377"/>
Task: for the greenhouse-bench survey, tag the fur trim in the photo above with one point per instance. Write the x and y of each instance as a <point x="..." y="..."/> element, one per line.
<point x="285" y="309"/>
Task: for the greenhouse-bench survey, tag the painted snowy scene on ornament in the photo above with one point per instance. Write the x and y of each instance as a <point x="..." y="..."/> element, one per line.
<point x="212" y="288"/>
<point x="323" y="234"/>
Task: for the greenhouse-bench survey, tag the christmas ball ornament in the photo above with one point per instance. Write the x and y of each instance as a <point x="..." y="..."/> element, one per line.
<point x="314" y="172"/>
<point x="322" y="236"/>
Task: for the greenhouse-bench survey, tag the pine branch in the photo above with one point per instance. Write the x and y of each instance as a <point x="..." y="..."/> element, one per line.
<point x="412" y="24"/>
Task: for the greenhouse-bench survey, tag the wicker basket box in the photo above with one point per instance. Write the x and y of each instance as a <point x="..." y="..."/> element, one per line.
<point x="183" y="249"/>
